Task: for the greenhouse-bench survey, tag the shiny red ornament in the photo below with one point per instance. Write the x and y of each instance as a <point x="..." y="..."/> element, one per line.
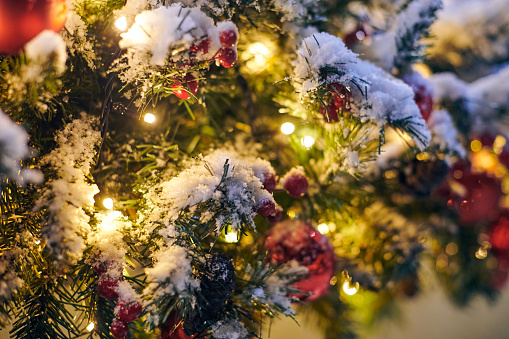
<point x="296" y="185"/>
<point x="296" y="240"/>
<point x="227" y="57"/>
<point x="108" y="287"/>
<point x="423" y="93"/>
<point x="23" y="20"/>
<point x="190" y="83"/>
<point x="228" y="38"/>
<point x="499" y="237"/>
<point x="267" y="207"/>
<point x="128" y="311"/>
<point x="119" y="328"/>
<point x="269" y="182"/>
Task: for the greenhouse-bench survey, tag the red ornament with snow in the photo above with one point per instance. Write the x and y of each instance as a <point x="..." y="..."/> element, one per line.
<point x="190" y="83"/>
<point x="266" y="207"/>
<point x="108" y="287"/>
<point x="295" y="183"/>
<point x="269" y="182"/>
<point x="202" y="47"/>
<point x="128" y="311"/>
<point x="119" y="328"/>
<point x="296" y="240"/>
<point x="227" y="57"/>
<point x="228" y="38"/>
<point x="423" y="93"/>
<point x="338" y="104"/>
<point x="23" y="20"/>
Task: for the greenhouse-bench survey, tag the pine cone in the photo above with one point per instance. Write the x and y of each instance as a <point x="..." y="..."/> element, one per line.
<point x="216" y="288"/>
<point x="421" y="177"/>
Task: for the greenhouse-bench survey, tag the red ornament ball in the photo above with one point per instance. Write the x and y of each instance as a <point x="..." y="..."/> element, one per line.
<point x="499" y="236"/>
<point x="23" y="20"/>
<point x="296" y="240"/>
<point x="119" y="328"/>
<point x="128" y="312"/>
<point x="269" y="182"/>
<point x="227" y="57"/>
<point x="190" y="83"/>
<point x="108" y="287"/>
<point x="296" y="184"/>
<point x="339" y="103"/>
<point x="266" y="207"/>
<point x="423" y="93"/>
<point x="228" y="38"/>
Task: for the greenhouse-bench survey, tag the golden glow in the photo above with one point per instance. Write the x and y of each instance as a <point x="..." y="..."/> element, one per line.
<point x="108" y="203"/>
<point x="231" y="237"/>
<point x="149" y="118"/>
<point x="108" y="224"/>
<point x="323" y="228"/>
<point x="481" y="253"/>
<point x="287" y="128"/>
<point x="350" y="289"/>
<point x="257" y="57"/>
<point x="121" y="23"/>
<point x="90" y="327"/>
<point x="483" y="160"/>
<point x="476" y="145"/>
<point x="37" y="241"/>
<point x="451" y="248"/>
<point x="499" y="144"/>
<point x="307" y="141"/>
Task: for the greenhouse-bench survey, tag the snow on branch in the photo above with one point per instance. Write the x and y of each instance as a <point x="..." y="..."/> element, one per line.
<point x="377" y="96"/>
<point x="66" y="196"/>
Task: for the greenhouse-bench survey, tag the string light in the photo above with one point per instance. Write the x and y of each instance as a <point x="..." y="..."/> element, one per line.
<point x="323" y="228"/>
<point x="287" y="128"/>
<point x="349" y="289"/>
<point x="108" y="203"/>
<point x="90" y="327"/>
<point x="149" y="118"/>
<point x="307" y="141"/>
<point x="121" y="23"/>
<point x="109" y="224"/>
<point x="231" y="237"/>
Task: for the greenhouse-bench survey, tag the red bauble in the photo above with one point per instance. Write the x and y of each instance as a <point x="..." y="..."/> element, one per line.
<point x="423" y="93"/>
<point x="228" y="38"/>
<point x="190" y="83"/>
<point x="296" y="184"/>
<point x="267" y="207"/>
<point x="108" y="287"/>
<point x="499" y="236"/>
<point x="128" y="312"/>
<point x="23" y="20"/>
<point x="361" y="32"/>
<point x="227" y="57"/>
<point x="202" y="47"/>
<point x="269" y="182"/>
<point x="296" y="240"/>
<point x="338" y="104"/>
<point x="119" y="328"/>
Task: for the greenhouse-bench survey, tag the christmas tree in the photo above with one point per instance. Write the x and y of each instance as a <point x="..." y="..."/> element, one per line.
<point x="197" y="168"/>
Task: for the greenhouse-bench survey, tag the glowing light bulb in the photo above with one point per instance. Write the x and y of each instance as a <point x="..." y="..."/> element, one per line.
<point x="231" y="237"/>
<point x="121" y="23"/>
<point x="37" y="241"/>
<point x="307" y="141"/>
<point x="323" y="228"/>
<point x="108" y="203"/>
<point x="90" y="327"/>
<point x="349" y="289"/>
<point x="287" y="128"/>
<point x="149" y="118"/>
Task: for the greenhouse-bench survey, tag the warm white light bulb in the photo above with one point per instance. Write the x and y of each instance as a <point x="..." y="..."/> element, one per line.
<point x="149" y="118"/>
<point x="108" y="203"/>
<point x="323" y="228"/>
<point x="90" y="327"/>
<point x="231" y="237"/>
<point x="307" y="141"/>
<point x="121" y="23"/>
<point x="349" y="289"/>
<point x="287" y="128"/>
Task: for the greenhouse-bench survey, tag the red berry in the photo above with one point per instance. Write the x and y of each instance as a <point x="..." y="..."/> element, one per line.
<point x="190" y="83"/>
<point x="228" y="38"/>
<point x="203" y="46"/>
<point x="119" y="328"/>
<point x="276" y="216"/>
<point x="296" y="185"/>
<point x="227" y="57"/>
<point x="269" y="181"/>
<point x="108" y="287"/>
<point x="23" y="20"/>
<point x="99" y="267"/>
<point x="423" y="93"/>
<point x="128" y="312"/>
<point x="267" y="207"/>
